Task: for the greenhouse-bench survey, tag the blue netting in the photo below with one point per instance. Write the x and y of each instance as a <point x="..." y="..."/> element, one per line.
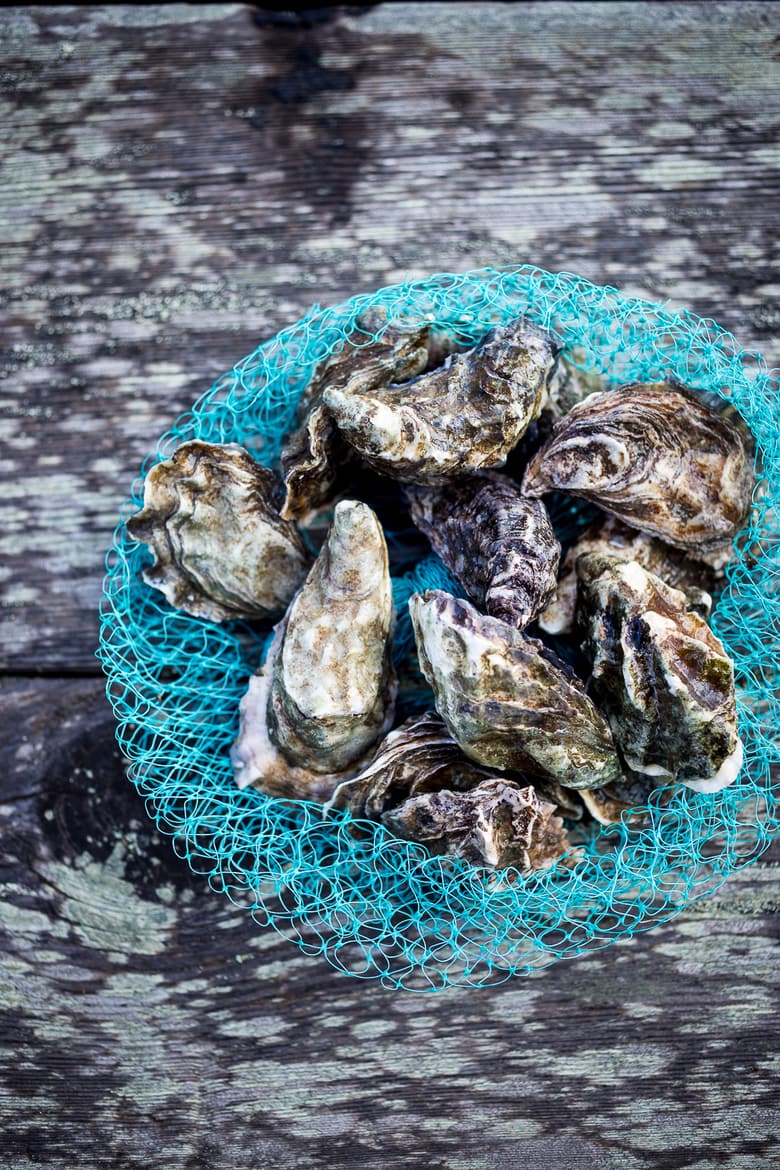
<point x="374" y="905"/>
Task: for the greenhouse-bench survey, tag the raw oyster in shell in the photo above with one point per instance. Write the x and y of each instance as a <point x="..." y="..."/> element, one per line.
<point x="657" y="458"/>
<point x="314" y="454"/>
<point x="466" y="415"/>
<point x="221" y="550"/>
<point x="660" y="675"/>
<point x="494" y="825"/>
<point x="499" y="544"/>
<point x="608" y="535"/>
<point x="333" y="687"/>
<point x="506" y="699"/>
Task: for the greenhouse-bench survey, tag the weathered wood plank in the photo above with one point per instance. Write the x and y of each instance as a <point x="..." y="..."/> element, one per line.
<point x="148" y="1022"/>
<point x="180" y="183"/>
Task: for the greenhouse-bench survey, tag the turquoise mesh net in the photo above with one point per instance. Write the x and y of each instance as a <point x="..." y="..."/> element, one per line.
<point x="375" y="906"/>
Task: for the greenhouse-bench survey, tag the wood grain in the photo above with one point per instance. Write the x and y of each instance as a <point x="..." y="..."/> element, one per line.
<point x="177" y="182"/>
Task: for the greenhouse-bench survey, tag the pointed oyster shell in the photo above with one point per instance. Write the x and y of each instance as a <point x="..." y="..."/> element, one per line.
<point x="333" y="687"/>
<point x="609" y="535"/>
<point x="221" y="549"/>
<point x="499" y="544"/>
<point x="661" y="676"/>
<point x="657" y="458"/>
<point x="314" y="454"/>
<point x="494" y="825"/>
<point x="466" y="415"/>
<point x="506" y="699"/>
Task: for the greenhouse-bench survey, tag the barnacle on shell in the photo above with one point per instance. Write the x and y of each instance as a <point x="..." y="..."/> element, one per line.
<point x="505" y="697"/>
<point x="493" y="825"/>
<point x="660" y="675"/>
<point x="465" y="415"/>
<point x="221" y="550"/>
<point x="656" y="457"/>
<point x="608" y="535"/>
<point x="499" y="544"/>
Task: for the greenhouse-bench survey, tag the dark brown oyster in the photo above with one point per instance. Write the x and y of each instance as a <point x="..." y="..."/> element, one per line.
<point x="499" y="544"/>
<point x="660" y="675"/>
<point x="608" y="535"/>
<point x="505" y="697"/>
<point x="314" y="454"/>
<point x="221" y="550"/>
<point x="607" y="805"/>
<point x="466" y="415"/>
<point x="495" y="825"/>
<point x="656" y="457"/>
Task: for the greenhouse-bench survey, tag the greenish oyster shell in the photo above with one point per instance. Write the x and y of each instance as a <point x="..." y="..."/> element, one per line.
<point x="499" y="544"/>
<point x="333" y="688"/>
<point x="495" y="825"/>
<point x="656" y="457"/>
<point x="660" y="675"/>
<point x="466" y="415"/>
<point x="315" y="452"/>
<point x="221" y="549"/>
<point x="506" y="699"/>
<point x="609" y="535"/>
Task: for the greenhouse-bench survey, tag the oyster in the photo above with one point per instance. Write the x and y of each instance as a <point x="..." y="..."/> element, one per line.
<point x="661" y="676"/>
<point x="657" y="458"/>
<point x="466" y="415"/>
<point x="494" y="825"/>
<point x="609" y="535"/>
<point x="221" y="550"/>
<point x="505" y="697"/>
<point x="499" y="544"/>
<point x="333" y="686"/>
<point x="313" y="455"/>
<point x="606" y="805"/>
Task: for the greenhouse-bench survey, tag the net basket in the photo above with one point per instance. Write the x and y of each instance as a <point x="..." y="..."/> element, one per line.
<point x="373" y="905"/>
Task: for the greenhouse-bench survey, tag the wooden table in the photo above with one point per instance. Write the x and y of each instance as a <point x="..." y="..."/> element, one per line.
<point x="178" y="183"/>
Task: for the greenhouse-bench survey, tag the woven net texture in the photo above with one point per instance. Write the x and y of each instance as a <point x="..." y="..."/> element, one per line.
<point x="373" y="905"/>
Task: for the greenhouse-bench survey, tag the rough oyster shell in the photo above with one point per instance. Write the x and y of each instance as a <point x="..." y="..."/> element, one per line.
<point x="610" y="536"/>
<point x="506" y="699"/>
<point x="661" y="676"/>
<point x="466" y="415"/>
<point x="657" y="458"/>
<point x="333" y="686"/>
<point x="314" y="454"/>
<point x="494" y="825"/>
<point x="221" y="549"/>
<point x="499" y="544"/>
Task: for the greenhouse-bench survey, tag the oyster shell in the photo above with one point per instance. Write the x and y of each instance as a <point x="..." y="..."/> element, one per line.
<point x="655" y="457"/>
<point x="466" y="415"/>
<point x="333" y="686"/>
<point x="661" y="676"/>
<point x="221" y="550"/>
<point x="499" y="544"/>
<point x="314" y="454"/>
<point x="606" y="805"/>
<point x="494" y="825"/>
<point x="506" y="699"/>
<point x="695" y="578"/>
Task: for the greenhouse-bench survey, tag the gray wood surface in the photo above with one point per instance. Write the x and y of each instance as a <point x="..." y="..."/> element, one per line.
<point x="176" y="183"/>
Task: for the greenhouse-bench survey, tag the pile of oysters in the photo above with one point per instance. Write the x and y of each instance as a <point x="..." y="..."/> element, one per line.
<point x="559" y="693"/>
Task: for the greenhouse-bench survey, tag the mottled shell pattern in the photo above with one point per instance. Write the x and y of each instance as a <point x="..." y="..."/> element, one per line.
<point x="656" y="457"/>
<point x="221" y="550"/>
<point x="660" y="675"/>
<point x="314" y="454"/>
<point x="506" y="699"/>
<point x="497" y="824"/>
<point x="499" y="544"/>
<point x="463" y="416"/>
<point x="614" y="538"/>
